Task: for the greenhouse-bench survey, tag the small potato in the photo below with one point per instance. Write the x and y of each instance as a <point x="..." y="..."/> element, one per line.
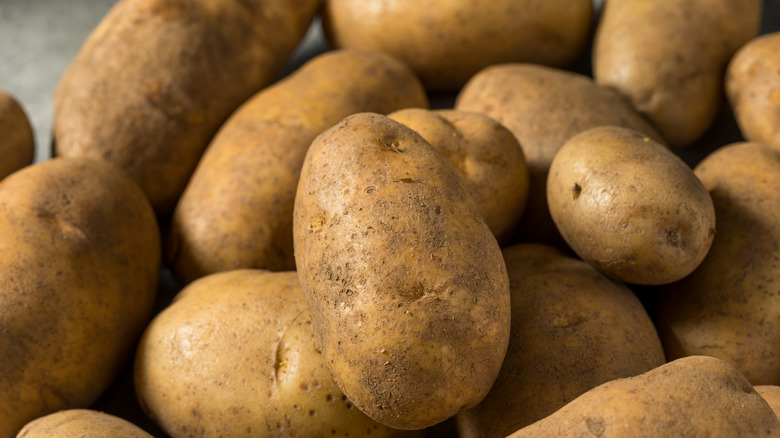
<point x="728" y="307"/>
<point x="572" y="330"/>
<point x="544" y="107"/>
<point x="629" y="206"/>
<point x="488" y="159"/>
<point x="81" y="423"/>
<point x="669" y="57"/>
<point x="235" y="354"/>
<point x="448" y="41"/>
<point x="405" y="282"/>
<point x="17" y="145"/>
<point x="697" y="396"/>
<point x="753" y="89"/>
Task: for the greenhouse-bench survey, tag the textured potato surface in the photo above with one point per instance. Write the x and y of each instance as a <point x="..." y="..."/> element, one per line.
<point x="81" y="423"/>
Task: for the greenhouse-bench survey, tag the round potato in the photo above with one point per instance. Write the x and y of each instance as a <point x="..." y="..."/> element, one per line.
<point x="770" y="393"/>
<point x="405" y="282"/>
<point x="80" y="251"/>
<point x="446" y="42"/>
<point x="81" y="423"/>
<point x="629" y="206"/>
<point x="17" y="145"/>
<point x="488" y="159"/>
<point x="572" y="330"/>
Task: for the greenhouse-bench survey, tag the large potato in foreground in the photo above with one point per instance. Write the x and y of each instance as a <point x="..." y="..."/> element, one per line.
<point x="669" y="57"/>
<point x="728" y="307"/>
<point x="629" y="206"/>
<point x="544" y="107"/>
<point x="156" y="79"/>
<point x="80" y="251"/>
<point x="406" y="284"/>
<point x="17" y="145"/>
<point x="236" y="211"/>
<point x="696" y="396"/>
<point x="572" y="330"/>
<point x="448" y="41"/>
<point x="235" y="354"/>
<point x="81" y="423"/>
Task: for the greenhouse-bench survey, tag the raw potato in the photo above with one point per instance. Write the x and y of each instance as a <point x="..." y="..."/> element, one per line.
<point x="753" y="89"/>
<point x="448" y="41"/>
<point x="669" y="57"/>
<point x="488" y="159"/>
<point x="629" y="206"/>
<point x="235" y="354"/>
<point x="728" y="308"/>
<point x="544" y="107"/>
<point x="17" y="145"/>
<point x="81" y="423"/>
<point x="406" y="284"/>
<point x="770" y="393"/>
<point x="692" y="397"/>
<point x="156" y="79"/>
<point x="80" y="250"/>
<point x="236" y="212"/>
<point x="572" y="330"/>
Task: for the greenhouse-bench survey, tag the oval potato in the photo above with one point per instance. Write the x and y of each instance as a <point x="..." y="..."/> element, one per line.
<point x="17" y="144"/>
<point x="81" y="423"/>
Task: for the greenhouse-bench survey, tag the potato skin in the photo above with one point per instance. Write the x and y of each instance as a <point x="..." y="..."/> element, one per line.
<point x="770" y="393"/>
<point x="629" y="206"/>
<point x="236" y="211"/>
<point x="727" y="308"/>
<point x="80" y="251"/>
<point x="156" y="79"/>
<point x="446" y="42"/>
<point x="572" y="330"/>
<point x="487" y="156"/>
<point x="544" y="107"/>
<point x="406" y="284"/>
<point x="81" y="423"/>
<point x="692" y="396"/>
<point x="243" y="336"/>
<point x="17" y="144"/>
<point x="752" y="84"/>
<point x="669" y="58"/>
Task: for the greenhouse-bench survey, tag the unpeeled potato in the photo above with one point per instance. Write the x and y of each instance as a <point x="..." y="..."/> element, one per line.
<point x="17" y="145"/>
<point x="81" y="423"/>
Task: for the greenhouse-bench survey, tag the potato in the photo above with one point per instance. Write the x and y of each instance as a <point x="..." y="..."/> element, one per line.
<point x="629" y="206"/>
<point x="406" y="284"/>
<point x="17" y="145"/>
<point x="488" y="159"/>
<point x="235" y="354"/>
<point x="753" y="89"/>
<point x="693" y="397"/>
<point x="80" y="251"/>
<point x="728" y="307"/>
<point x="770" y="393"/>
<point x="669" y="58"/>
<point x="156" y="79"/>
<point x="81" y="423"/>
<point x="544" y="107"/>
<point x="236" y="212"/>
<point x="572" y="330"/>
<point x="448" y="41"/>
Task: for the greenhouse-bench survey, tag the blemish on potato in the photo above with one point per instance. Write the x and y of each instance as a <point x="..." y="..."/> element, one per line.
<point x="576" y="191"/>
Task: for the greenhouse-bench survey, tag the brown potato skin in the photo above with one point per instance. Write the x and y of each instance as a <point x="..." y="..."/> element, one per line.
<point x="572" y="330"/>
<point x="544" y="107"/>
<point x="770" y="393"/>
<point x="80" y="250"/>
<point x="17" y="144"/>
<point x="629" y="206"/>
<point x="692" y="396"/>
<point x="728" y="307"/>
<point x="753" y="89"/>
<point x="155" y="80"/>
<point x="669" y="58"/>
<point x="244" y="336"/>
<point x="81" y="423"/>
<point x="236" y="211"/>
<point x="406" y="285"/>
<point x="488" y="159"/>
<point x="446" y="42"/>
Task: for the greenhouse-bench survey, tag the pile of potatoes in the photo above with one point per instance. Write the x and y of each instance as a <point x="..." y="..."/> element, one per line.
<point x="444" y="225"/>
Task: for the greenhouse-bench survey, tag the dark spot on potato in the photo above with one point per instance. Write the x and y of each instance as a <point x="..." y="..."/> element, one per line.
<point x="596" y="426"/>
<point x="576" y="191"/>
<point x="312" y="413"/>
<point x="304" y="387"/>
<point x="390" y="142"/>
<point x="349" y="405"/>
<point x="370" y="190"/>
<point x="673" y="237"/>
<point x="329" y="398"/>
